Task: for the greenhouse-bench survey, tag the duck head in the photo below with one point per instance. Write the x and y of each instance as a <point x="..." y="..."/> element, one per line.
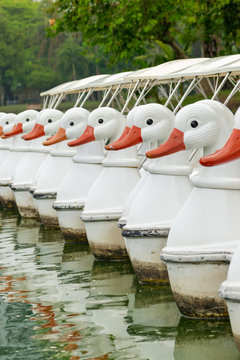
<point x="71" y="125"/>
<point x="205" y="124"/>
<point x="45" y="117"/>
<point x="129" y="123"/>
<point x="103" y="124"/>
<point x="7" y="121"/>
<point x="24" y="122"/>
<point x="151" y="122"/>
<point x="230" y="151"/>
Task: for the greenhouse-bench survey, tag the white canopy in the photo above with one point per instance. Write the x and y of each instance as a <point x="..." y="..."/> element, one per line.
<point x="100" y="83"/>
<point x="210" y="67"/>
<point x="73" y="85"/>
<point x="166" y="72"/>
<point x="165" y="69"/>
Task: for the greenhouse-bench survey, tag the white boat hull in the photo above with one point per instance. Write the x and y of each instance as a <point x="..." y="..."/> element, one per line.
<point x="150" y="216"/>
<point x="71" y="198"/>
<point x="105" y="240"/>
<point x="104" y="207"/>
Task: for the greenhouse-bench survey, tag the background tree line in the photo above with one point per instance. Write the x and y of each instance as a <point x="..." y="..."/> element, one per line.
<point x="44" y="43"/>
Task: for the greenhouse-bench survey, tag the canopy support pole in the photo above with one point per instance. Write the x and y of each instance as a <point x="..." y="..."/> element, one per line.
<point x="173" y="92"/>
<point x="58" y="101"/>
<point x="233" y="92"/>
<point x="86" y="97"/>
<point x="105" y="96"/>
<point x="79" y="98"/>
<point x="193" y="83"/>
<point x="130" y="96"/>
<point x="221" y="85"/>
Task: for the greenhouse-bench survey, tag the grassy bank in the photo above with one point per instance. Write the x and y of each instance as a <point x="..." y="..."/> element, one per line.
<point x="91" y="105"/>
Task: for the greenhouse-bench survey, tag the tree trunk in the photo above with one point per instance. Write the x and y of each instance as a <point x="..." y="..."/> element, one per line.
<point x="210" y="47"/>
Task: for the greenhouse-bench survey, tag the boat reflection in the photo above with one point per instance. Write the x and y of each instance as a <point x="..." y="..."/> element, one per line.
<point x="203" y="339"/>
<point x="153" y="317"/>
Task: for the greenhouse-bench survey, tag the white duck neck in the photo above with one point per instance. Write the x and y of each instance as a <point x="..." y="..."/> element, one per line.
<point x="91" y="153"/>
<point x="175" y="164"/>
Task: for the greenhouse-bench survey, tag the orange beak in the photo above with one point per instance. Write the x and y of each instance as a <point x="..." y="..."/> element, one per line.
<point x="58" y="137"/>
<point x="36" y="132"/>
<point x="1" y="130"/>
<point x="17" y="129"/>
<point x="229" y="152"/>
<point x="174" y="144"/>
<point x="85" y="138"/>
<point x="128" y="138"/>
<point x="114" y="145"/>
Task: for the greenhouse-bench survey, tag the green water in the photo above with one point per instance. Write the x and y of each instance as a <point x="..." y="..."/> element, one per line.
<point x="56" y="302"/>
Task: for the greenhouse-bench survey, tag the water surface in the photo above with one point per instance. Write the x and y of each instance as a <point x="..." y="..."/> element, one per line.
<point x="56" y="302"/>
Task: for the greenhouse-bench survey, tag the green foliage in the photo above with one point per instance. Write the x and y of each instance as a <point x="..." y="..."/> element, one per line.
<point x="215" y="24"/>
<point x="151" y="30"/>
<point x="123" y="28"/>
<point x="31" y="62"/>
<point x="87" y="37"/>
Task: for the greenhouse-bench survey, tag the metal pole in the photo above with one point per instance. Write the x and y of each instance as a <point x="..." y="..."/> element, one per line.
<point x="220" y="86"/>
<point x="105" y="96"/>
<point x="53" y="99"/>
<point x="161" y="88"/>
<point x="86" y="97"/>
<point x="130" y="96"/>
<point x="114" y="95"/>
<point x="79" y="98"/>
<point x="141" y="94"/>
<point x="211" y="86"/>
<point x="173" y="92"/>
<point x="189" y="89"/>
<point x="58" y="101"/>
<point x="232" y="93"/>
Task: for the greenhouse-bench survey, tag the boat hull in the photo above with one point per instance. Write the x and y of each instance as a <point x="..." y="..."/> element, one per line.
<point x="106" y="241"/>
<point x="26" y="204"/>
<point x="195" y="288"/>
<point x="145" y="258"/>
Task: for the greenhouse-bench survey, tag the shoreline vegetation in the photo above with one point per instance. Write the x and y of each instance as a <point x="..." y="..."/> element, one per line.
<point x="93" y="104"/>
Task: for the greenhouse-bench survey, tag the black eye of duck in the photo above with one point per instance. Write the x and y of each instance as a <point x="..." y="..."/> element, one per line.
<point x="49" y="120"/>
<point x="100" y="121"/>
<point x="149" y="121"/>
<point x="194" y="124"/>
<point x="71" y="123"/>
<point x="7" y="122"/>
<point x="27" y="119"/>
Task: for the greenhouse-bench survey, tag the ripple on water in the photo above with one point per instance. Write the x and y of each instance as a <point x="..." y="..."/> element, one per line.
<point x="56" y="302"/>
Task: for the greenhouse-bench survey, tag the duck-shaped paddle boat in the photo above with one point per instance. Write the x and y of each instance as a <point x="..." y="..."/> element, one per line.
<point x="85" y="168"/>
<point x="202" y="234"/>
<point x="48" y="180"/>
<point x="157" y="199"/>
<point x="45" y="125"/>
<point x="116" y="180"/>
<point x="230" y="288"/>
<point x="230" y="292"/>
<point x="6" y="125"/>
<point x="114" y="146"/>
<point x="16" y="152"/>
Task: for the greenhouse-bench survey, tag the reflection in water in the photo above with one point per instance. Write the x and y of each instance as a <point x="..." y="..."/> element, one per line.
<point x="154" y="316"/>
<point x="204" y="339"/>
<point x="56" y="302"/>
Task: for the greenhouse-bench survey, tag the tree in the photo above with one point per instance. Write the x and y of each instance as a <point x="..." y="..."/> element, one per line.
<point x="19" y="25"/>
<point x="215" y="24"/>
<point x="125" y="29"/>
